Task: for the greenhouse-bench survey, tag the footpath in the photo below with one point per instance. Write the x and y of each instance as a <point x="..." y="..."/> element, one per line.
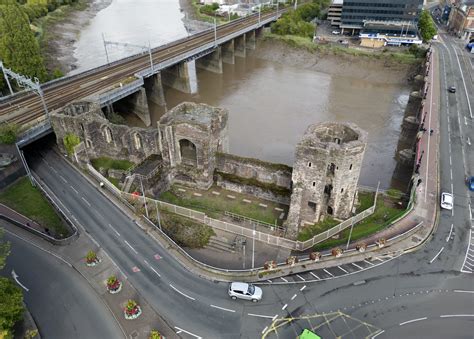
<point x="405" y="235"/>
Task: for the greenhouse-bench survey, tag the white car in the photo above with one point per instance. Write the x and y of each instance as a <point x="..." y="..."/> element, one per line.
<point x="446" y="201"/>
<point x="336" y="32"/>
<point x="245" y="291"/>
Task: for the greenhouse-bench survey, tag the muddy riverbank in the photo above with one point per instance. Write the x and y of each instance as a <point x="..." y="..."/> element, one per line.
<point x="62" y="31"/>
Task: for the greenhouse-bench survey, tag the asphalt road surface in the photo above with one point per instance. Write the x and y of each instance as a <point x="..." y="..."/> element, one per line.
<point x="60" y="300"/>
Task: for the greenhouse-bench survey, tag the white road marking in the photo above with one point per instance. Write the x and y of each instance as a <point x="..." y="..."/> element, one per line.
<point x="15" y="276"/>
<point x="130" y="246"/>
<point x="342" y="269"/>
<point x="260" y="315"/>
<point x="436" y="256"/>
<point x="74" y="190"/>
<point x="293" y="297"/>
<point x="456" y="315"/>
<point x="378" y="334"/>
<point x="222" y="308"/>
<point x="463" y="291"/>
<point x="284" y="307"/>
<point x="368" y="262"/>
<point x="118" y="234"/>
<point x="325" y="270"/>
<point x="314" y="275"/>
<point x="451" y="173"/>
<point x="183" y="294"/>
<point x="377" y="258"/>
<point x="302" y="288"/>
<point x="449" y="235"/>
<point x="181" y="330"/>
<point x="283" y="279"/>
<point x="467" y="251"/>
<point x="86" y="201"/>
<point x="360" y="268"/>
<point x="299" y="276"/>
<point x="63" y="179"/>
<point x="266" y="327"/>
<point x="151" y="268"/>
<point x="412" y="321"/>
<point x="274" y="317"/>
<point x="450" y="161"/>
<point x="464" y="83"/>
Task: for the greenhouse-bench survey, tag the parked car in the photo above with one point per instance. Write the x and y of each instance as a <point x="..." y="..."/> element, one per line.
<point x="470" y="183"/>
<point x="336" y="32"/>
<point x="452" y="89"/>
<point x="447" y="201"/>
<point x="245" y="291"/>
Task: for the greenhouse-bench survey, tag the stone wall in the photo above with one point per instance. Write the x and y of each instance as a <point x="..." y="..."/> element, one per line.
<point x="252" y="176"/>
<point x="102" y="138"/>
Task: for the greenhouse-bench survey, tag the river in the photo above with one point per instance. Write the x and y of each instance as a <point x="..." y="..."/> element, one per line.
<point x="270" y="103"/>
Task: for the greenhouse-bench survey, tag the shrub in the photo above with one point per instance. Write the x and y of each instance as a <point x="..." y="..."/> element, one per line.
<point x="70" y="141"/>
<point x="186" y="232"/>
<point x="154" y="334"/>
<point x="8" y="133"/>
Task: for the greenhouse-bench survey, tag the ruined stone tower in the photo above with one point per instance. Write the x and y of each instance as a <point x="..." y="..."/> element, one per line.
<point x="190" y="136"/>
<point x="325" y="174"/>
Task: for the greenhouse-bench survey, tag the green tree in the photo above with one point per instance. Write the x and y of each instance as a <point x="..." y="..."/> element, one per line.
<point x="19" y="49"/>
<point x="4" y="250"/>
<point x="70" y="141"/>
<point x="8" y="133"/>
<point x="11" y="304"/>
<point x="427" y="26"/>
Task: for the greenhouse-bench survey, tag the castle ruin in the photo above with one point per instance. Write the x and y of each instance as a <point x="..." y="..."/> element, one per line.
<point x="190" y="147"/>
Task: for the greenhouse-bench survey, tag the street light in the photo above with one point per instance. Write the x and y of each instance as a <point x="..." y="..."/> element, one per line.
<point x="215" y="32"/>
<point x="253" y="247"/>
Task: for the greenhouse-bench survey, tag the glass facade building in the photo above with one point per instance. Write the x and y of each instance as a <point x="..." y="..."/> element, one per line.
<point x="355" y="12"/>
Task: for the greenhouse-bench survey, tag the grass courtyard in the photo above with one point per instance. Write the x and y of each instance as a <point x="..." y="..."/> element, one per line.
<point x="214" y="205"/>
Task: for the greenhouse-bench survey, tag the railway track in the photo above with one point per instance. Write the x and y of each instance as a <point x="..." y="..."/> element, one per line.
<point x="25" y="108"/>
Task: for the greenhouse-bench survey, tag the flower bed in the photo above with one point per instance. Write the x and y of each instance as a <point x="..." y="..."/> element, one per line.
<point x="114" y="285"/>
<point x="132" y="310"/>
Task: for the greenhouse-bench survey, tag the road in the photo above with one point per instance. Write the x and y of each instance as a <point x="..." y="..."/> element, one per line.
<point x="61" y="301"/>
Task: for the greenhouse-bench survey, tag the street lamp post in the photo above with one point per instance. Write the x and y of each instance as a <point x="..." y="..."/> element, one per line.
<point x="144" y="198"/>
<point x="105" y="47"/>
<point x="215" y="32"/>
<point x="158" y="216"/>
<point x="253" y="247"/>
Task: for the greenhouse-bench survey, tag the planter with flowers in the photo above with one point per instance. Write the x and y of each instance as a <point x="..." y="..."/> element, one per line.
<point x="381" y="242"/>
<point x="132" y="310"/>
<point x="292" y="260"/>
<point x="337" y="252"/>
<point x="270" y="265"/>
<point x="92" y="259"/>
<point x="315" y="256"/>
<point x="114" y="285"/>
<point x="361" y="247"/>
<point x="154" y="334"/>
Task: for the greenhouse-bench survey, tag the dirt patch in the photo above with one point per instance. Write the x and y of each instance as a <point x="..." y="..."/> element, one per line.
<point x="61" y="34"/>
<point x="359" y="67"/>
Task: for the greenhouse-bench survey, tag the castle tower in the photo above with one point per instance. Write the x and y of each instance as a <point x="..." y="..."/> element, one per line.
<point x="325" y="174"/>
<point x="190" y="136"/>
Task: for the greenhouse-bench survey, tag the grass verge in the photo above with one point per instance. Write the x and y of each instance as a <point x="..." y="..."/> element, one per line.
<point x="28" y="200"/>
<point x="186" y="232"/>
<point x="383" y="216"/>
<point x="109" y="163"/>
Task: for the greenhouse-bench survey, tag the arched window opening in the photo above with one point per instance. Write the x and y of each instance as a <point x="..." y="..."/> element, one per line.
<point x="188" y="152"/>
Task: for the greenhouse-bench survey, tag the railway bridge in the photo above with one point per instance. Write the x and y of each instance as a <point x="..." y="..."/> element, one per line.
<point x="138" y="78"/>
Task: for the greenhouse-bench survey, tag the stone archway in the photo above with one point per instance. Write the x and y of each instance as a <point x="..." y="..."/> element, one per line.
<point x="188" y="152"/>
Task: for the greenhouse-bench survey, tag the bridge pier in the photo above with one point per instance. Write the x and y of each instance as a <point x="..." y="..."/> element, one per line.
<point x="250" y="42"/>
<point x="228" y="52"/>
<point x="154" y="90"/>
<point x="177" y="77"/>
<point x="139" y="103"/>
<point x="239" y="44"/>
<point x="211" y="62"/>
